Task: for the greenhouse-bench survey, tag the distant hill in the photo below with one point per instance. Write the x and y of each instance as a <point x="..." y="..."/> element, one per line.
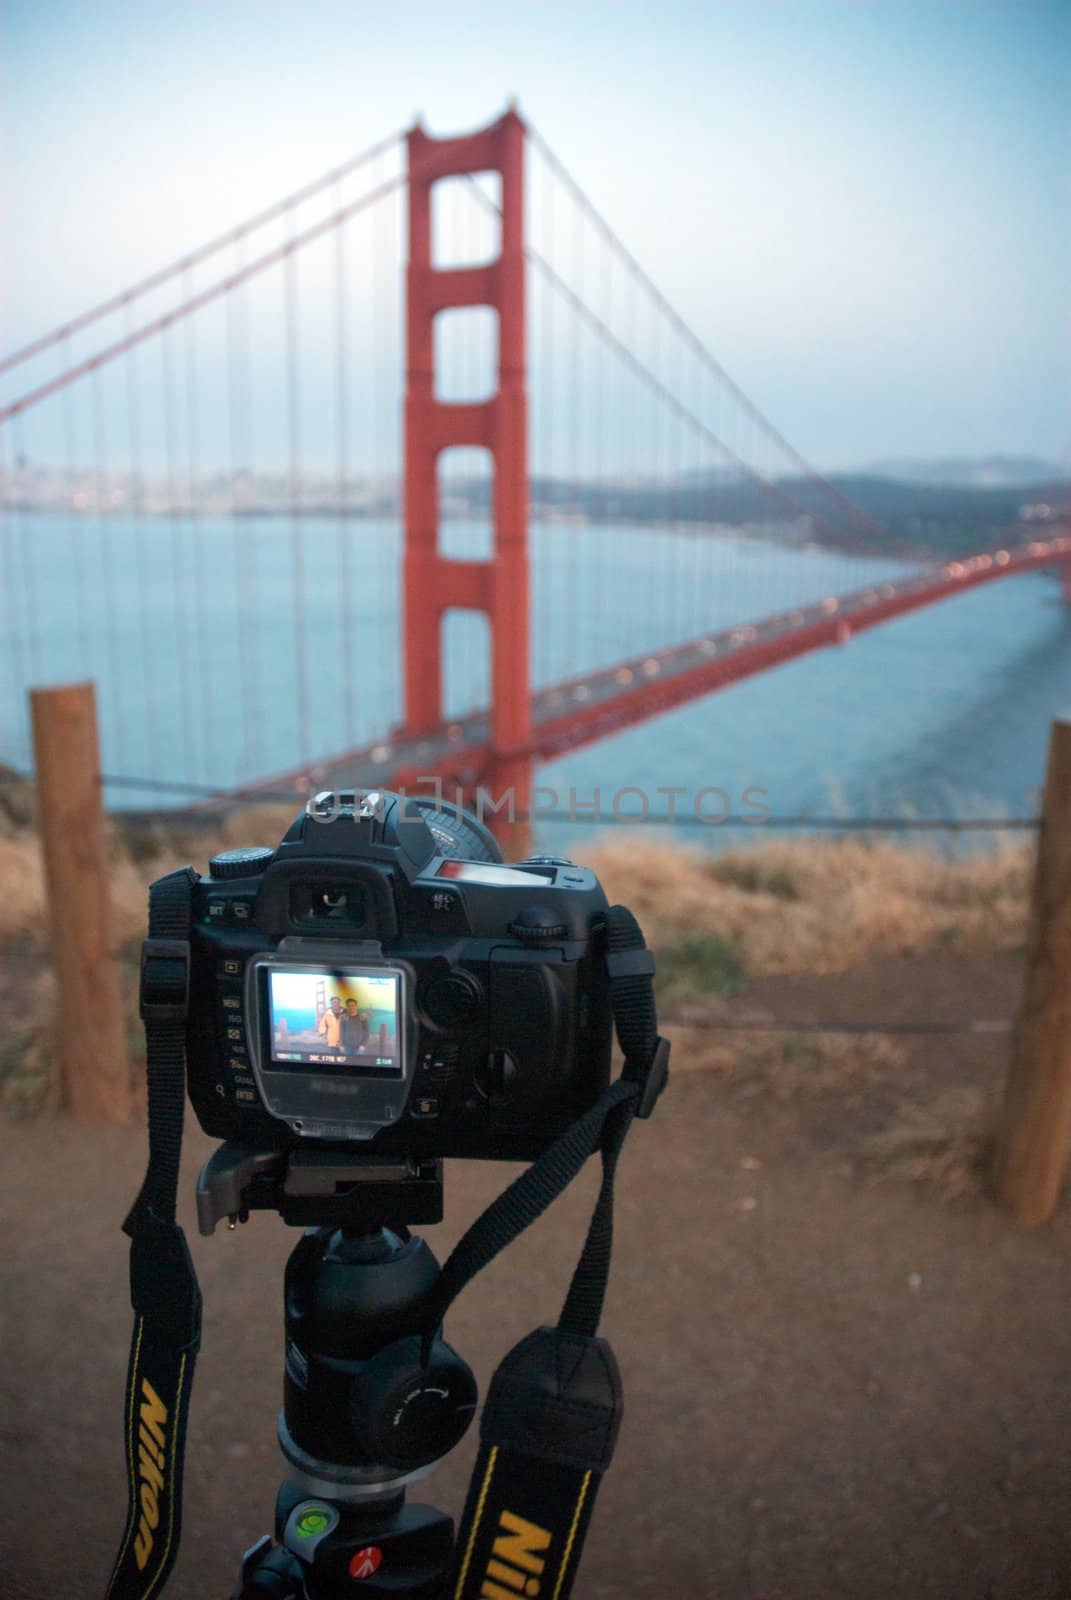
<point x="938" y="514"/>
<point x="973" y="472"/>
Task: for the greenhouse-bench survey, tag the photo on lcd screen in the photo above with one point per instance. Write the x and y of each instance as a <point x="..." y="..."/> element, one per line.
<point x="340" y="1019"/>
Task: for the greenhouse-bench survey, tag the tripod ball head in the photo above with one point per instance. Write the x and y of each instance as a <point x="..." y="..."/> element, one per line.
<point x="405" y="1414"/>
<point x="357" y="1398"/>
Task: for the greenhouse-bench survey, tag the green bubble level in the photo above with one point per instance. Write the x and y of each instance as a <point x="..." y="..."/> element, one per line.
<point x="312" y="1522"/>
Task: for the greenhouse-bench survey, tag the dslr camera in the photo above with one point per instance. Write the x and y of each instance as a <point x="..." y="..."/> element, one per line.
<point x="383" y="981"/>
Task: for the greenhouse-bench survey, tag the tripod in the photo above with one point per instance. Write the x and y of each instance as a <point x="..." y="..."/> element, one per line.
<point x="363" y="1416"/>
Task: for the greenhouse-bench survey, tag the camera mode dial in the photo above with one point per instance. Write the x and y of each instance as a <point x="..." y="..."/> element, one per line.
<point x="538" y="925"/>
<point x="243" y="863"/>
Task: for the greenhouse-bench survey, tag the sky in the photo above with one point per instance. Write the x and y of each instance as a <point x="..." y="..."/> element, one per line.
<point x="860" y="207"/>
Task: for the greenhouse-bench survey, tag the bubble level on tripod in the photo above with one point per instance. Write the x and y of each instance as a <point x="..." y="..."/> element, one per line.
<point x="313" y="1520"/>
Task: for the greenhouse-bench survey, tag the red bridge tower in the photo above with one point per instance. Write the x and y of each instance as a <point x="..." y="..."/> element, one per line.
<point x="433" y="583"/>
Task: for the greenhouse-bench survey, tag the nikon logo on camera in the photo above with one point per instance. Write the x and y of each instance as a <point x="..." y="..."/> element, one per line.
<point x="518" y="1557"/>
<point x="152" y="1441"/>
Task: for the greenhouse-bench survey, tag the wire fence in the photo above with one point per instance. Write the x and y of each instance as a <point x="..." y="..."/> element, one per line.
<point x="833" y="1026"/>
<point x="801" y="821"/>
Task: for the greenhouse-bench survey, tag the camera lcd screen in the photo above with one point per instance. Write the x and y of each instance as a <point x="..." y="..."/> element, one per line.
<point x="330" y="1019"/>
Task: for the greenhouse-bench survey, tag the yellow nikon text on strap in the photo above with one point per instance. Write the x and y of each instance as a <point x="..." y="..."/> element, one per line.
<point x="518" y="1559"/>
<point x="152" y="1468"/>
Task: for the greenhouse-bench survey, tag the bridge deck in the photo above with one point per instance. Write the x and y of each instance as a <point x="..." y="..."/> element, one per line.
<point x="605" y="701"/>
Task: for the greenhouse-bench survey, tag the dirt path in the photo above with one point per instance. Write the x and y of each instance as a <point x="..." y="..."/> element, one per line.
<point x="833" y="1389"/>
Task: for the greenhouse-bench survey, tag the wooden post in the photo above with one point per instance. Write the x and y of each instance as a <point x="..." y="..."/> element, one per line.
<point x="1032" y="1141"/>
<point x="95" y="1072"/>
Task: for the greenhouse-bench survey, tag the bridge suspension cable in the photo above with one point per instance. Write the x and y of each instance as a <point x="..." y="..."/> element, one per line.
<point x="204" y="297"/>
<point x="193" y="258"/>
<point x="691" y="420"/>
<point x="692" y="339"/>
<point x="156" y="596"/>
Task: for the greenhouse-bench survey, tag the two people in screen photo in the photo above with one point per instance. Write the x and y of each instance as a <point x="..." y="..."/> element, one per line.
<point x="343" y="1027"/>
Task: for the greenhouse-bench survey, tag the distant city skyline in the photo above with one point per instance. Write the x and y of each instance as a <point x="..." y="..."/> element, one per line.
<point x="860" y="208"/>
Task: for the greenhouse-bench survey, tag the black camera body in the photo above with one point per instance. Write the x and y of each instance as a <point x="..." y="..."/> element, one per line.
<point x="384" y="981"/>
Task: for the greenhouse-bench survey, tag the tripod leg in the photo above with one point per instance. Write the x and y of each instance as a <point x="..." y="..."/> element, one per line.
<point x="269" y="1573"/>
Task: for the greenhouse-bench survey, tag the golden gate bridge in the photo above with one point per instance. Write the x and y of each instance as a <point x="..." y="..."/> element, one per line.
<point x="534" y="344"/>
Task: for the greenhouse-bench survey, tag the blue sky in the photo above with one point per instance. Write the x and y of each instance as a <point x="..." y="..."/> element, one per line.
<point x="861" y="207"/>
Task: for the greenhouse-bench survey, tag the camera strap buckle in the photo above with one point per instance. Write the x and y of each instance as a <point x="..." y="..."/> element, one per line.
<point x="636" y="962"/>
<point x="652" y="1078"/>
<point x="165" y="980"/>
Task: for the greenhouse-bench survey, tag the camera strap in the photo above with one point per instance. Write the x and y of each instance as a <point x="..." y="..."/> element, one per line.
<point x="163" y="1285"/>
<point x="554" y="1407"/>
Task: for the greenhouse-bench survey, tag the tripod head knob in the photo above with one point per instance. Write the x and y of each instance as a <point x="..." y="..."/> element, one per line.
<point x="406" y="1415"/>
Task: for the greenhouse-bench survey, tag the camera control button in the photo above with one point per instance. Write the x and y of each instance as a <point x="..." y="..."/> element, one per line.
<point x="538" y="925"/>
<point x="453" y="1000"/>
<point x="243" y="863"/>
<point x="230" y="968"/>
<point x="497" y="1078"/>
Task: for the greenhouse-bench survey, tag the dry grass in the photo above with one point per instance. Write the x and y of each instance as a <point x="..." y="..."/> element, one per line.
<point x="28" y="1080"/>
<point x="135" y="859"/>
<point x="816" y="906"/>
<point x="820" y="906"/>
<point x="783" y="1065"/>
<point x="24" y="905"/>
<point x="946" y="1144"/>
